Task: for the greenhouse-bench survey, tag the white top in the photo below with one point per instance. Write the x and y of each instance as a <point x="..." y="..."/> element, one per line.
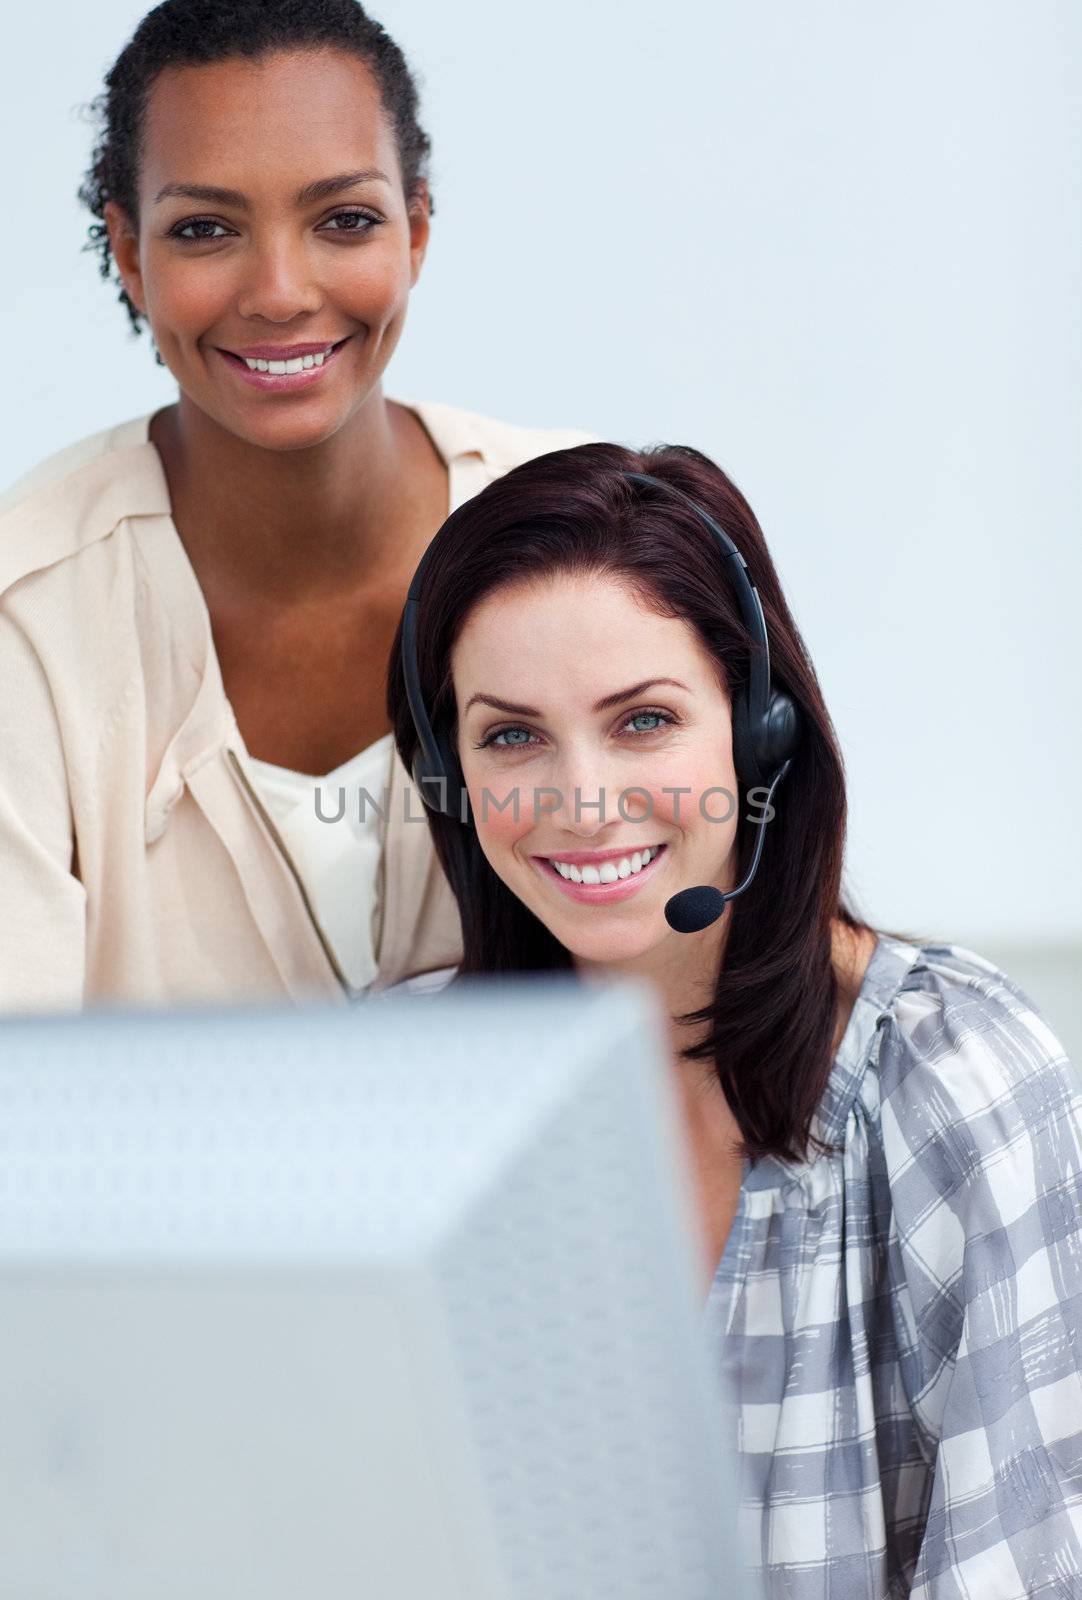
<point x="331" y="828"/>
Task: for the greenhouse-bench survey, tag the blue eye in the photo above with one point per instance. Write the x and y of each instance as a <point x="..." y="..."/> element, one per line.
<point x="658" y="718"/>
<point x="641" y="724"/>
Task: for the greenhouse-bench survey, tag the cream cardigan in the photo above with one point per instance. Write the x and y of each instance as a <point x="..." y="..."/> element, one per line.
<point x="137" y="864"/>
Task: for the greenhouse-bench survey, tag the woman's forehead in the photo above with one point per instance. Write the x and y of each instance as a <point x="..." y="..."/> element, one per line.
<point x="584" y="635"/>
<point x="238" y="122"/>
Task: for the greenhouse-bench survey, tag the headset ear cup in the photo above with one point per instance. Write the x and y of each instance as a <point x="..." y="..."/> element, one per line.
<point x="759" y="752"/>
<point x="747" y="767"/>
<point x="779" y="736"/>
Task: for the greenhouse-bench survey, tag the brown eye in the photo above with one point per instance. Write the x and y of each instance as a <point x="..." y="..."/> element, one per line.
<point x="181" y="231"/>
<point x="352" y="222"/>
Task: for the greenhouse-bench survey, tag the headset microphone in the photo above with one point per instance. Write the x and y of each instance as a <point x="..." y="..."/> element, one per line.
<point x="692" y="910"/>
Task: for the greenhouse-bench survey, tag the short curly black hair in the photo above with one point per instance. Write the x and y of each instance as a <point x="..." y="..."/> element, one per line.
<point x="185" y="33"/>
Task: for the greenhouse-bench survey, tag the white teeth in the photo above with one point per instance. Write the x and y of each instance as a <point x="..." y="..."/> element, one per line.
<point x="297" y="364"/>
<point x="609" y="871"/>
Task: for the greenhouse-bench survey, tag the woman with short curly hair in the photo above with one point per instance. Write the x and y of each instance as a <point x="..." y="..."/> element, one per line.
<point x="196" y="606"/>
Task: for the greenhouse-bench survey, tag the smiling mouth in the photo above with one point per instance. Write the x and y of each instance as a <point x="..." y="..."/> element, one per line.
<point x="311" y="358"/>
<point x="613" y="870"/>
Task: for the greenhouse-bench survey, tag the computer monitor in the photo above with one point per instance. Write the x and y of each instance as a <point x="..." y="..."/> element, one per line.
<point x="392" y="1303"/>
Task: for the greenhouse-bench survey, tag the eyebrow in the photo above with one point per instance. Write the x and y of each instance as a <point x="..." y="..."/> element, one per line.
<point x="605" y="704"/>
<point x="322" y="189"/>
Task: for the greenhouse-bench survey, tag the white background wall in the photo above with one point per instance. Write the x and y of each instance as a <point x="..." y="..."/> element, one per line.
<point x="836" y="245"/>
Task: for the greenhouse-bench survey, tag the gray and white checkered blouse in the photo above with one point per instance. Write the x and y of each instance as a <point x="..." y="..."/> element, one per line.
<point x="900" y="1324"/>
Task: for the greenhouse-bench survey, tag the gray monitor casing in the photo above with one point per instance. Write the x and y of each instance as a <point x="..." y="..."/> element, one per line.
<point x="397" y="1303"/>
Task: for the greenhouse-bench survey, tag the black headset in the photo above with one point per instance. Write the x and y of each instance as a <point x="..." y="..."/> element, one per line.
<point x="766" y="723"/>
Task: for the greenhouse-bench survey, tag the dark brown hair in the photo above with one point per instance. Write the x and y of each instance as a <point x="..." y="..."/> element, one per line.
<point x="773" y="1017"/>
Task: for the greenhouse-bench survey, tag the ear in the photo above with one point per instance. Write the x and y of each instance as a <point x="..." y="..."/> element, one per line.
<point x="418" y="209"/>
<point x="124" y="243"/>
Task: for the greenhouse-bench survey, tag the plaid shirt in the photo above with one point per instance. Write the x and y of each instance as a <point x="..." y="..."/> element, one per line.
<point x="900" y="1324"/>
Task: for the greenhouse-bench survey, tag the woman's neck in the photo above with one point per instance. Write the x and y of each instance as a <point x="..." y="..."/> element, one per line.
<point x="683" y="976"/>
<point x="682" y="971"/>
<point x="288" y="525"/>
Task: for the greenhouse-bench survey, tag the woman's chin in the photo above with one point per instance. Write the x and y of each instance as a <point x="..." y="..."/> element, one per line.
<point x="285" y="430"/>
<point x="276" y="423"/>
<point x="611" y="947"/>
<point x="593" y="933"/>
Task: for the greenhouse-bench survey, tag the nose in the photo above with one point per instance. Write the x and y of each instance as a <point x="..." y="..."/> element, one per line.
<point x="281" y="283"/>
<point x="591" y="799"/>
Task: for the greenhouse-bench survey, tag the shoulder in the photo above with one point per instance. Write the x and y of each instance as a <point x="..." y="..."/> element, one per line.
<point x="65" y="462"/>
<point x="974" y="1151"/>
<point x="969" y="1073"/>
<point x="76" y="497"/>
<point x="966" y="1154"/>
<point x="982" y="1133"/>
<point x="502" y="445"/>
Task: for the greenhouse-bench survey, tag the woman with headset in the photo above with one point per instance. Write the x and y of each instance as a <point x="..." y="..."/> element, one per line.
<point x="630" y="770"/>
<point x="196" y="606"/>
